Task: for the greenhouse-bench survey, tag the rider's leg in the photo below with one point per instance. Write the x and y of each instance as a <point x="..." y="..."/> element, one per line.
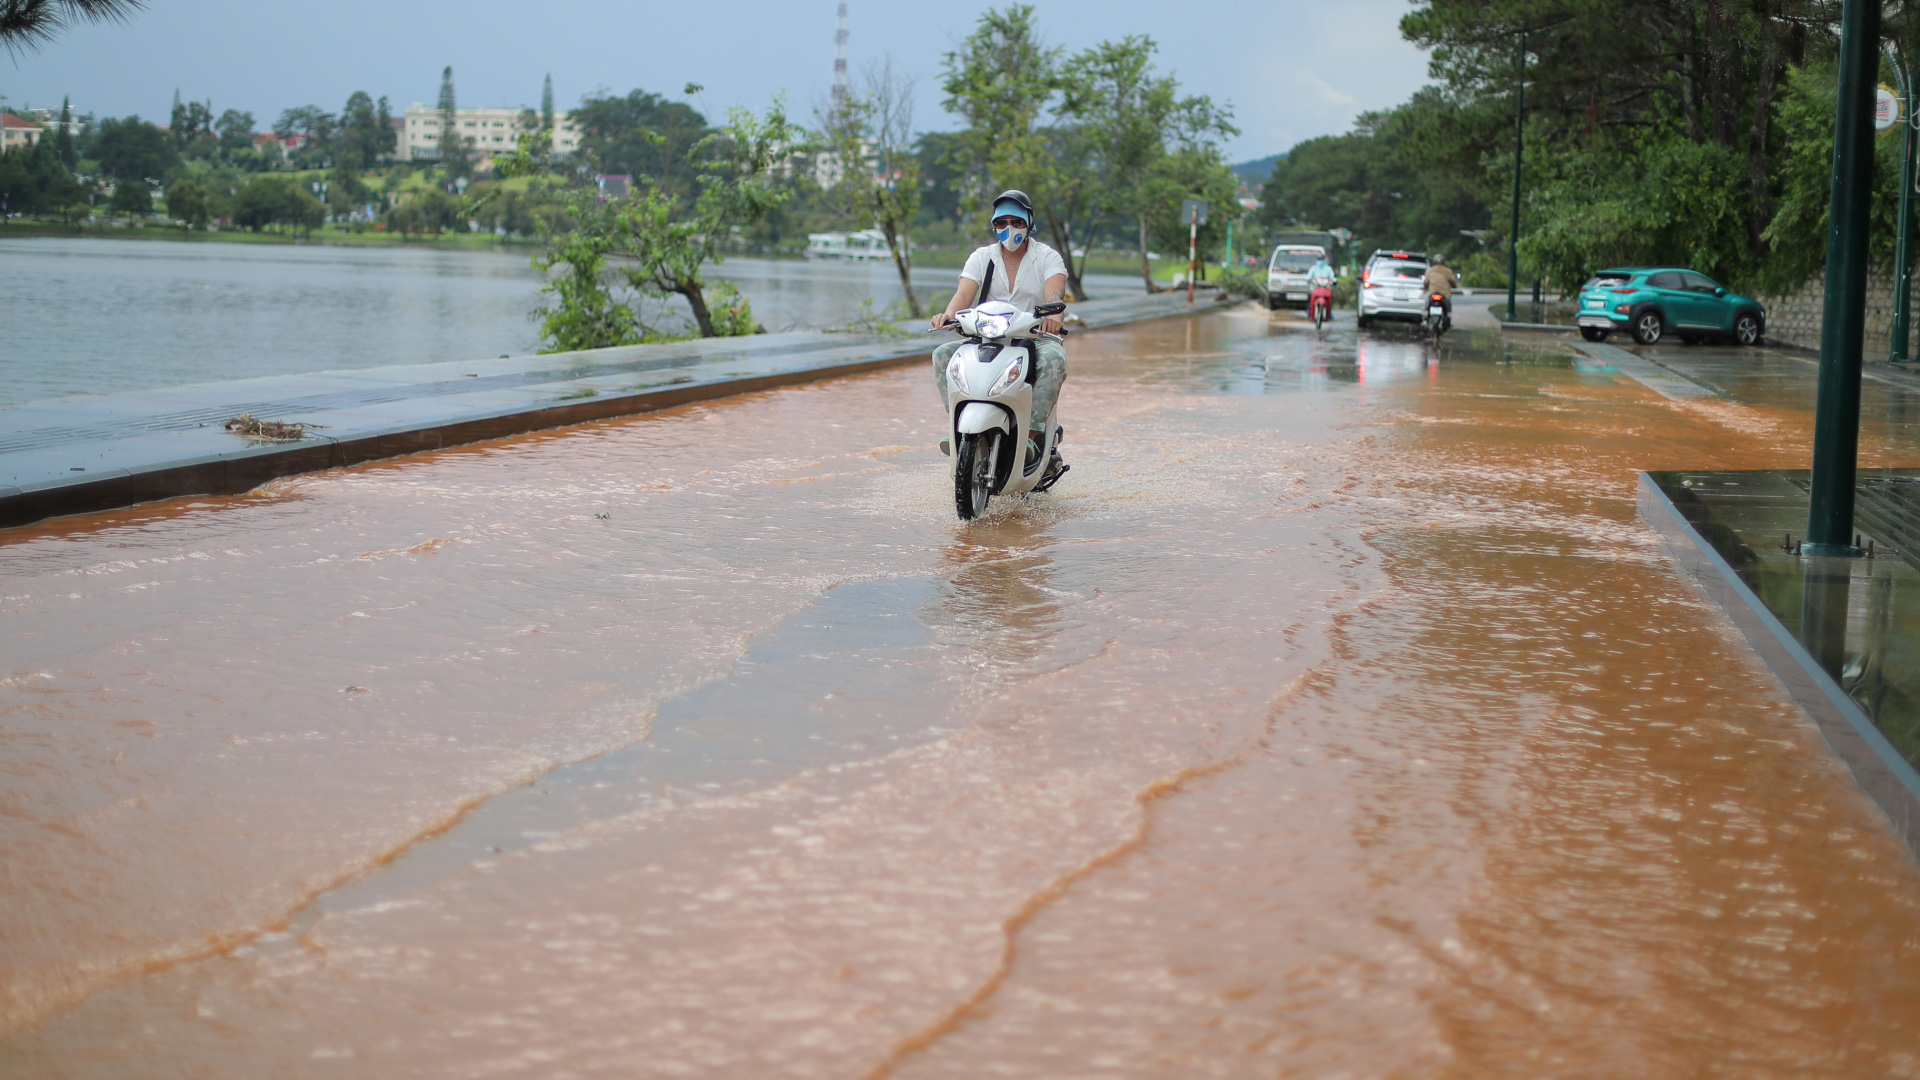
<point x="941" y="356"/>
<point x="1446" y="306"/>
<point x="1050" y="367"/>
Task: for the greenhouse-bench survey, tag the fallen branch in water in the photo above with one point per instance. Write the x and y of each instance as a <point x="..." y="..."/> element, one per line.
<point x="245" y="424"/>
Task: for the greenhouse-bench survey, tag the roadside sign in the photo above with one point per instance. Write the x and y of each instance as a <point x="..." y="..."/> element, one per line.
<point x="1886" y="109"/>
<point x="1190" y="208"/>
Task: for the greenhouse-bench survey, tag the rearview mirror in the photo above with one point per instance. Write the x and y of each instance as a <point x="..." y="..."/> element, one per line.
<point x="1052" y="307"/>
<point x="1718" y="291"/>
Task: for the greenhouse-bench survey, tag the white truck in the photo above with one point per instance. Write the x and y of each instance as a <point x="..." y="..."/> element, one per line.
<point x="1293" y="254"/>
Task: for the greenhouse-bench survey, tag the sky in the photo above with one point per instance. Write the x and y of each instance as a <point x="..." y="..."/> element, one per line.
<point x="1290" y="69"/>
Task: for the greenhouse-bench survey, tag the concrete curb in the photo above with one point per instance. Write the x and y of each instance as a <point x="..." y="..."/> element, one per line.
<point x="1876" y="766"/>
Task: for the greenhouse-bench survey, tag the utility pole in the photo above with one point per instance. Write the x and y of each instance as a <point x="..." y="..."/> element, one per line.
<point x="1902" y="253"/>
<point x="1519" y="132"/>
<point x="1836" y="424"/>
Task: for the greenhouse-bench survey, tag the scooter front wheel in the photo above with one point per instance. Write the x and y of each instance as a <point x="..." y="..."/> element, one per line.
<point x="975" y="460"/>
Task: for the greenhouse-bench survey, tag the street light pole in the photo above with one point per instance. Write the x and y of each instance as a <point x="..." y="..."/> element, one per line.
<point x="1902" y="256"/>
<point x="1836" y="425"/>
<point x="1519" y="131"/>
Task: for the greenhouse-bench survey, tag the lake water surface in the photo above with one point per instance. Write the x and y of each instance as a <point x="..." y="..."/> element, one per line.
<point x="90" y="316"/>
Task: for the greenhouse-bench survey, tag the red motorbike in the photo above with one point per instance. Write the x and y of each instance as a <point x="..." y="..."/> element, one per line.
<point x="1320" y="304"/>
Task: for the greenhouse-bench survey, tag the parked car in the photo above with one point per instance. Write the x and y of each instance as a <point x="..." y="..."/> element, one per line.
<point x="1651" y="302"/>
<point x="1390" y="287"/>
<point x="1287" y="274"/>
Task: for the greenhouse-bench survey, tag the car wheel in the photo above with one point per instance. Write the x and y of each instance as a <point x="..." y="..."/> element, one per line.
<point x="1746" y="328"/>
<point x="1647" y="327"/>
<point x="1273" y="301"/>
<point x="1593" y="333"/>
<point x="1362" y="322"/>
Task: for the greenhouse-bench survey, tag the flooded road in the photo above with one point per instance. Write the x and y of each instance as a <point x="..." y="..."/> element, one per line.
<point x="1335" y="717"/>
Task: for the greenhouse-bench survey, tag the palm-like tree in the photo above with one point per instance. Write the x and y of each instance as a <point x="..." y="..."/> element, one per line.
<point x="32" y="23"/>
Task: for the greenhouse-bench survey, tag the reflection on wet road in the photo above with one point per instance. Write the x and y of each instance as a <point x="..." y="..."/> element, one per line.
<point x="1334" y="717"/>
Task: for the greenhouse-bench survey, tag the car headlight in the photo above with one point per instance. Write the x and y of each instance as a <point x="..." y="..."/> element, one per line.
<point x="992" y="326"/>
<point x="1014" y="373"/>
<point x="956" y="370"/>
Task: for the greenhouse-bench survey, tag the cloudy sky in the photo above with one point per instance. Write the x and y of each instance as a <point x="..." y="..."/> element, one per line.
<point x="1291" y="69"/>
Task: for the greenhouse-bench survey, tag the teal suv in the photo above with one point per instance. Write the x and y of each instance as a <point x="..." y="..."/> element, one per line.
<point x="1652" y="302"/>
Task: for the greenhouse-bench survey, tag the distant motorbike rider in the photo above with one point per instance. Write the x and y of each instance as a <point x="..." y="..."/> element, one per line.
<point x="1441" y="279"/>
<point x="1320" y="277"/>
<point x="1026" y="273"/>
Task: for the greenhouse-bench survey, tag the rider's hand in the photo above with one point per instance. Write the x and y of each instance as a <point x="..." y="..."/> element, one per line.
<point x="1053" y="323"/>
<point x="939" y="319"/>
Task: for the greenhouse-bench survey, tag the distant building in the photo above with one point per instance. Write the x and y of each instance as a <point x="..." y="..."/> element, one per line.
<point x="615" y="186"/>
<point x="489" y="132"/>
<point x="856" y="246"/>
<point x="18" y="132"/>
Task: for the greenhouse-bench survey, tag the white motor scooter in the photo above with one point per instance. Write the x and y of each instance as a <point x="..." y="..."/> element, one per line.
<point x="990" y="406"/>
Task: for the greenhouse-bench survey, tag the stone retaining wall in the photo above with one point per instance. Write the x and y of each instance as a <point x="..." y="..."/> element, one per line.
<point x="1795" y="319"/>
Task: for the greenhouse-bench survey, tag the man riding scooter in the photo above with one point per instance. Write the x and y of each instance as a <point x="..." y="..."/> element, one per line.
<point x="1441" y="280"/>
<point x="1026" y="273"/>
<point x="1320" y="291"/>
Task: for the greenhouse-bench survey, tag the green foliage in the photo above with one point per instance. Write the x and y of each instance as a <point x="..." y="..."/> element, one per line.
<point x="187" y="203"/>
<point x="33" y="180"/>
<point x="642" y="135"/>
<point x="364" y="135"/>
<point x="266" y="201"/>
<point x="236" y="131"/>
<point x="456" y="158"/>
<point x="431" y="211"/>
<point x="132" y="149"/>
<point x="131" y="197"/>
<point x="1367" y="182"/>
<point x="28" y="24"/>
<point x="651" y="243"/>
<point x="1094" y="138"/>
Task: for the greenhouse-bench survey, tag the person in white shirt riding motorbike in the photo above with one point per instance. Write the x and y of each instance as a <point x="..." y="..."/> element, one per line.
<point x="1026" y="273"/>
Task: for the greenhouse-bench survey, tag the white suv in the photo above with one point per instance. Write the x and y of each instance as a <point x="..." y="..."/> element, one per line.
<point x="1390" y="287"/>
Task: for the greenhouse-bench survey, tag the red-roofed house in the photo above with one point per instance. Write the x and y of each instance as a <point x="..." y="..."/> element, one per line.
<point x="15" y="131"/>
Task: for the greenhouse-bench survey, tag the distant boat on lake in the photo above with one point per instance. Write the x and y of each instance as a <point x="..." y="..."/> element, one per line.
<point x="856" y="246"/>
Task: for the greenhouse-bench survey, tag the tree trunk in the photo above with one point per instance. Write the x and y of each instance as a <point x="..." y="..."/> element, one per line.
<point x="1765" y="85"/>
<point x="1146" y="269"/>
<point x="897" y="247"/>
<point x="1062" y="236"/>
<point x="697" y="300"/>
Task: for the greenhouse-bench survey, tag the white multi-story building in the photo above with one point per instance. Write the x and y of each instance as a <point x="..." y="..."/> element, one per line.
<point x="487" y="131"/>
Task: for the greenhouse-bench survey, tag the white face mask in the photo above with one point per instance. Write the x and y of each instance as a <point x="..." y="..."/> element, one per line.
<point x="1011" y="239"/>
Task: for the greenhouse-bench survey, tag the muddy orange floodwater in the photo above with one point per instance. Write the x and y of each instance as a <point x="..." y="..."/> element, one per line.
<point x="1335" y="717"/>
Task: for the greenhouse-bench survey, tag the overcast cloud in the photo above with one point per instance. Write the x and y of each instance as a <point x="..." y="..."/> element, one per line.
<point x="1292" y="69"/>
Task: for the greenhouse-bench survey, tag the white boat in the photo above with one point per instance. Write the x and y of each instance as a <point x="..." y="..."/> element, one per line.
<point x="862" y="245"/>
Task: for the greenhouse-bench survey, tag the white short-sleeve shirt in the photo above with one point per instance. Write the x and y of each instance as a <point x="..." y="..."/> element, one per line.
<point x="1041" y="262"/>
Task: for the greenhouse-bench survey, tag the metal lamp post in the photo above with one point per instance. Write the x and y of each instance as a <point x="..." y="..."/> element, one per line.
<point x="1519" y="132"/>
<point x="1836" y="431"/>
<point x="1902" y="254"/>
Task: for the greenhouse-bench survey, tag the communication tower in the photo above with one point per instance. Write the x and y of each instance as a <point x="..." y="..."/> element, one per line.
<point x="840" y="58"/>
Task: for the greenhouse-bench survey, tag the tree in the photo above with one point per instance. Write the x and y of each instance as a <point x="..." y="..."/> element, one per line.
<point x="651" y="243"/>
<point x="998" y="83"/>
<point x="191" y="126"/>
<point x="301" y="210"/>
<point x="365" y="133"/>
<point x="131" y="197"/>
<point x="28" y="24"/>
<point x="260" y="203"/>
<point x="187" y="204"/>
<point x="455" y="163"/>
<point x="315" y="128"/>
<point x="63" y="139"/>
<point x="546" y="103"/>
<point x="642" y="135"/>
<point x="236" y="131"/>
<point x="132" y="149"/>
<point x="871" y="134"/>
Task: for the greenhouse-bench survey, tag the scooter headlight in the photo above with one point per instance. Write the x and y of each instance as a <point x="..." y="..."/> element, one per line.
<point x="956" y="373"/>
<point x="992" y="326"/>
<point x="1014" y="373"/>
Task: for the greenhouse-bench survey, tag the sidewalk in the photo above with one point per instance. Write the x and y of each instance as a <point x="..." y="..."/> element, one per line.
<point x="80" y="454"/>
